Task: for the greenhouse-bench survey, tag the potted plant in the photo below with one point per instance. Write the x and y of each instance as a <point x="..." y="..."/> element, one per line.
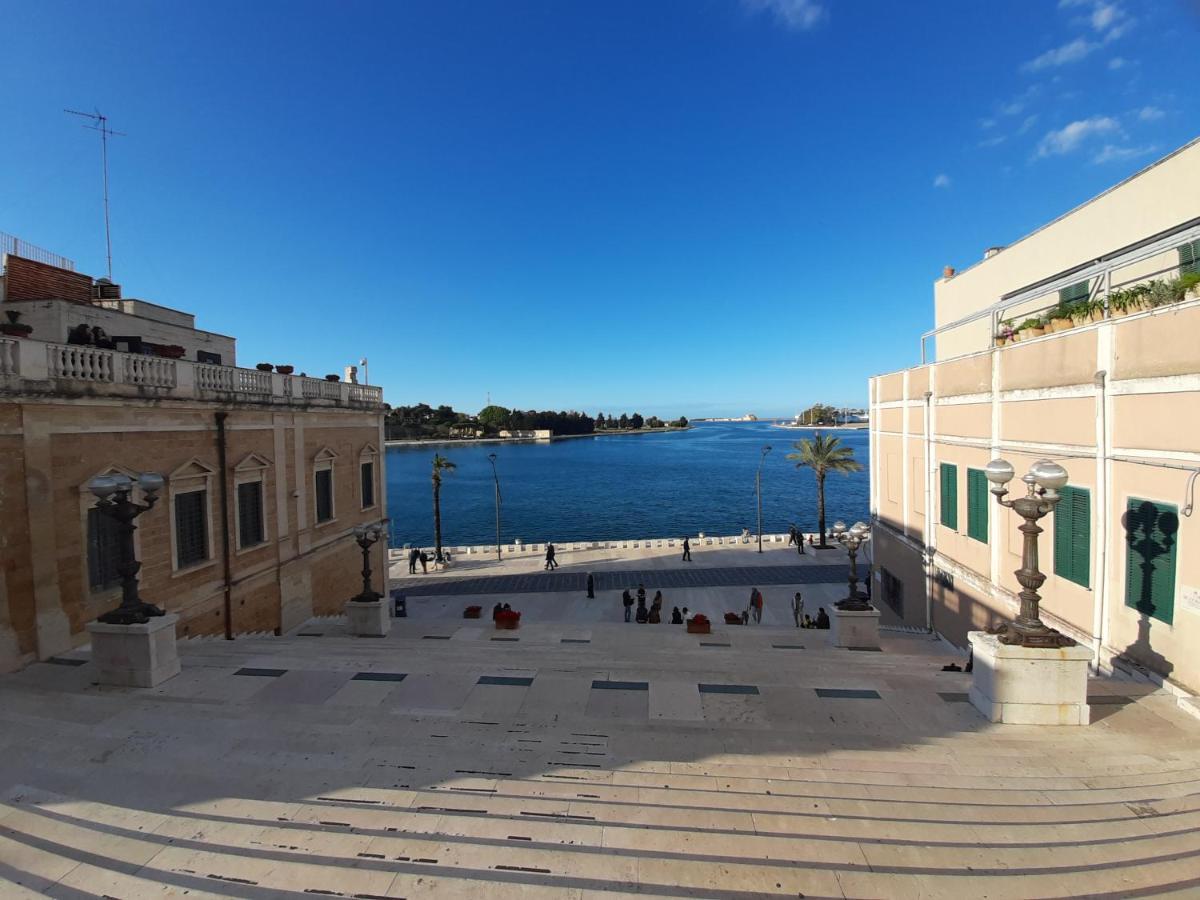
<point x="1059" y="318"/>
<point x="333" y="378"/>
<point x="264" y="367"/>
<point x="699" y="624"/>
<point x="285" y="370"/>
<point x="1031" y="328"/>
<point x="1005" y="333"/>
<point x="170" y="351"/>
<point x="1161" y="293"/>
<point x="473" y="612"/>
<point x="1189" y="286"/>
<point x="13" y="327"/>
<point x="507" y="619"/>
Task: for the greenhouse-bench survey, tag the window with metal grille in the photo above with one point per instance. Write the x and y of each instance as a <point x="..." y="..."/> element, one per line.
<point x="191" y="528"/>
<point x="1189" y="257"/>
<point x="104" y="551"/>
<point x="1073" y="535"/>
<point x="324" y="487"/>
<point x="368" y="484"/>
<point x="893" y="592"/>
<point x="977" y="505"/>
<point x="1151" y="541"/>
<point x="949" y="495"/>
<point x="250" y="513"/>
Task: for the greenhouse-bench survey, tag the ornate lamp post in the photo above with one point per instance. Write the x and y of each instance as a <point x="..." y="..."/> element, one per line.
<point x="1043" y="481"/>
<point x="113" y="500"/>
<point x="852" y="538"/>
<point x="758" y="490"/>
<point x="367" y="536"/>
<point x="496" y="478"/>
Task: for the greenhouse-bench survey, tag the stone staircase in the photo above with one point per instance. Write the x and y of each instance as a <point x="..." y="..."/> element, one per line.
<point x="582" y="761"/>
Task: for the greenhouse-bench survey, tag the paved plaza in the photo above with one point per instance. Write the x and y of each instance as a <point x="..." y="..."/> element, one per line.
<point x="582" y="757"/>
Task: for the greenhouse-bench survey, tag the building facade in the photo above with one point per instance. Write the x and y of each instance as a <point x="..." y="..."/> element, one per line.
<point x="1108" y="386"/>
<point x="266" y="476"/>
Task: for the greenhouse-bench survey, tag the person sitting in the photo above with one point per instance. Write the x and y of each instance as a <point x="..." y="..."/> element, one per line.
<point x="676" y="616"/>
<point x="655" y="615"/>
<point x="808" y="622"/>
<point x="642" y="615"/>
<point x="496" y="611"/>
<point x="822" y="618"/>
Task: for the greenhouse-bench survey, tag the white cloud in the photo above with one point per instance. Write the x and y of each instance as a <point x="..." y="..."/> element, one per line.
<point x="1104" y="15"/>
<point x="993" y="141"/>
<point x="1029" y="122"/>
<point x="1069" y="138"/>
<point x="1061" y="56"/>
<point x="1150" y="113"/>
<point x="799" y="15"/>
<point x="1117" y="62"/>
<point x="941" y="180"/>
<point x="1113" y="153"/>
<point x="987" y="123"/>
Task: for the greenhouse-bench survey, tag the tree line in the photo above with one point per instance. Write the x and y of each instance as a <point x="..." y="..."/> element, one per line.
<point x="443" y="422"/>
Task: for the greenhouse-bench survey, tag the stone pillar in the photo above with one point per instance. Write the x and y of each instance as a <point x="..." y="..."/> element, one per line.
<point x="1029" y="685"/>
<point x="854" y="629"/>
<point x="369" y="619"/>
<point x="135" y="655"/>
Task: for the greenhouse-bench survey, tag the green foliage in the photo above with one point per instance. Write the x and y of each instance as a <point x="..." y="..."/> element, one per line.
<point x="1032" y="322"/>
<point x="493" y="417"/>
<point x="823" y="455"/>
<point x="819" y="414"/>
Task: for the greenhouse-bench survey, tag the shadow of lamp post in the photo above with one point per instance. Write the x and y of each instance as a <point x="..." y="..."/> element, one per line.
<point x="496" y="479"/>
<point x="852" y="538"/>
<point x="1043" y="482"/>
<point x="113" y="499"/>
<point x="758" y="490"/>
<point x="366" y="536"/>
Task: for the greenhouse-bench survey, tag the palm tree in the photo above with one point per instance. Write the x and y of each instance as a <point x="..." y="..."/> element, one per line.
<point x="440" y="464"/>
<point x="823" y="455"/>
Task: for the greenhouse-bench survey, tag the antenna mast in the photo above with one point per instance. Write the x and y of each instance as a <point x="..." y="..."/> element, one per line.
<point x="102" y="127"/>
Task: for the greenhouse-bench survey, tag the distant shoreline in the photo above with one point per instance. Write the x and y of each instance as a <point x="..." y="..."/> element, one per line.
<point x="418" y="442"/>
<point x="857" y="426"/>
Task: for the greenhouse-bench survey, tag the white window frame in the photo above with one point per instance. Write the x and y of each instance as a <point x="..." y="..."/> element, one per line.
<point x="252" y="468"/>
<point x="369" y="454"/>
<point x="192" y="476"/>
<point x="322" y="461"/>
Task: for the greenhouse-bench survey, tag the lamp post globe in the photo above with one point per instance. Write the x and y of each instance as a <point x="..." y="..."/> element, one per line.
<point x="999" y="472"/>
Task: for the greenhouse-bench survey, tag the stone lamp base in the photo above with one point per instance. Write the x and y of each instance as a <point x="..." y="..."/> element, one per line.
<point x="1029" y="685"/>
<point x="135" y="655"/>
<point x="371" y="618"/>
<point x="854" y="629"/>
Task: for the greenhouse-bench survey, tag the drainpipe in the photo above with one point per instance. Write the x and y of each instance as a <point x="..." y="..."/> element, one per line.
<point x="930" y="525"/>
<point x="222" y="447"/>
<point x="1100" y="605"/>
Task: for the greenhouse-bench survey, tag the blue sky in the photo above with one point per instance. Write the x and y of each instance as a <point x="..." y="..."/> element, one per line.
<point x="677" y="206"/>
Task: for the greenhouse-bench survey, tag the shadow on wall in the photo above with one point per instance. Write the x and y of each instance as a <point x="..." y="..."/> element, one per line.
<point x="1150" y="539"/>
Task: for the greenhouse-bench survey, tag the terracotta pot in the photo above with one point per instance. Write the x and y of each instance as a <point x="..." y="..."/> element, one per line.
<point x="507" y="624"/>
<point x="694" y="628"/>
<point x="13" y="329"/>
<point x="1062" y="324"/>
<point x="1001" y="341"/>
<point x="1033" y="332"/>
<point x="1097" y="315"/>
<point x="1015" y="337"/>
<point x="472" y="612"/>
<point x="285" y="370"/>
<point x="264" y="367"/>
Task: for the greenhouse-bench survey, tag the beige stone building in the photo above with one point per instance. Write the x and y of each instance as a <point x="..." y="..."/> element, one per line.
<point x="267" y="473"/>
<point x="1109" y="387"/>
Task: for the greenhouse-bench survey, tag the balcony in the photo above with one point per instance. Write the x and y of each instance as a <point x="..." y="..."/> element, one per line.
<point x="32" y="367"/>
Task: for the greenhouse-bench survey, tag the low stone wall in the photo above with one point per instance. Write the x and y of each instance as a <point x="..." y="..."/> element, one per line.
<point x="708" y="541"/>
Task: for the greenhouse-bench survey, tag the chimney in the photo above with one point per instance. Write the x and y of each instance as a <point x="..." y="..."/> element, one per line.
<point x="948" y="272"/>
<point x="106" y="290"/>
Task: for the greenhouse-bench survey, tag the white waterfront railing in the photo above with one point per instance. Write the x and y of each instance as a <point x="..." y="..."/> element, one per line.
<point x="675" y="545"/>
<point x="91" y="367"/>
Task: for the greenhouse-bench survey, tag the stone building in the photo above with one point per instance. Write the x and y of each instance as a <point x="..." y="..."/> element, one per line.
<point x="1112" y="394"/>
<point x="267" y="473"/>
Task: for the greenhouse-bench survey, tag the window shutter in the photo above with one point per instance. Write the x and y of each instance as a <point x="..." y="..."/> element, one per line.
<point x="1151" y="537"/>
<point x="977" y="505"/>
<point x="1189" y="257"/>
<point x="949" y="477"/>
<point x="1078" y="291"/>
<point x="1073" y="536"/>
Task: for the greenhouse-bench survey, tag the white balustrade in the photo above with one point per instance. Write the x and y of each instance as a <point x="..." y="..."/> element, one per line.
<point x="251" y="381"/>
<point x="214" y="378"/>
<point x="80" y="363"/>
<point x="151" y="371"/>
<point x="10" y="360"/>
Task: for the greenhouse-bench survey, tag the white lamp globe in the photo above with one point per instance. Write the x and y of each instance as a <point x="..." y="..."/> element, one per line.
<point x="150" y="482"/>
<point x="1049" y="475"/>
<point x="103" y="486"/>
<point x="999" y="472"/>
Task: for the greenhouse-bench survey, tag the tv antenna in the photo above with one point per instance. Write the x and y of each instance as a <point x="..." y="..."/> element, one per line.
<point x="101" y="125"/>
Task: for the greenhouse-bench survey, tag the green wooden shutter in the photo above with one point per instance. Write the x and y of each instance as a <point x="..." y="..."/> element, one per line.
<point x="977" y="505"/>
<point x="1073" y="536"/>
<point x="1077" y="291"/>
<point x="1189" y="257"/>
<point x="949" y="476"/>
<point x="1151" y="540"/>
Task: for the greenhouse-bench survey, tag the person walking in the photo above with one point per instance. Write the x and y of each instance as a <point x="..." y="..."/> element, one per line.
<point x="792" y="534"/>
<point x="591" y="587"/>
<point x="797" y="608"/>
<point x="553" y="557"/>
<point x="549" y="556"/>
<point x="424" y="558"/>
<point x="756" y="605"/>
<point x="627" y="602"/>
<point x="414" y="556"/>
<point x="687" y="551"/>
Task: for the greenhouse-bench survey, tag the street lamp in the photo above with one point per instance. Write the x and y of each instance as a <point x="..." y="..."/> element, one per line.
<point x="852" y="538"/>
<point x="367" y="536"/>
<point x="758" y="490"/>
<point x="113" y="500"/>
<point x="1043" y="481"/>
<point x="496" y="478"/>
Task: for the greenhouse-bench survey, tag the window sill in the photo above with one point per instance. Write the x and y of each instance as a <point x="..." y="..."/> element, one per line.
<point x="194" y="567"/>
<point x="250" y="548"/>
<point x="369" y="508"/>
<point x="326" y="522"/>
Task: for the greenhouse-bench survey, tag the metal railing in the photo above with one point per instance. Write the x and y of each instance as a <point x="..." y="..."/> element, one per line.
<point x="10" y="243"/>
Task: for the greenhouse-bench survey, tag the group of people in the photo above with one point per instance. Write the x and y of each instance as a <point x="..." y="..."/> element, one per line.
<point x="806" y="621"/>
<point x="651" y="615"/>
<point x="551" y="562"/>
<point x="417" y="555"/>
